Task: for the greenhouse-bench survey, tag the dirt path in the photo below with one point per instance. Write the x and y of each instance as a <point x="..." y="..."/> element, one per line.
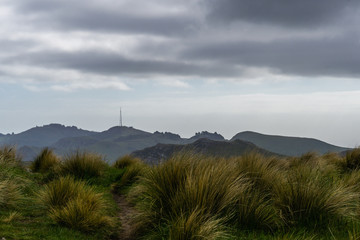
<point x="125" y="215"/>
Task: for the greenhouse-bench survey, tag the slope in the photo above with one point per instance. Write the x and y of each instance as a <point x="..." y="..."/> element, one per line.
<point x="290" y="146"/>
<point x="161" y="152"/>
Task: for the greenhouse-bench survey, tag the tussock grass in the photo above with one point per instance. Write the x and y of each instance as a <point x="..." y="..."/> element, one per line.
<point x="306" y="197"/>
<point x="10" y="193"/>
<point x="131" y="175"/>
<point x="186" y="226"/>
<point x="11" y="183"/>
<point x="45" y="162"/>
<point x="12" y="217"/>
<point x="76" y="205"/>
<point x="263" y="172"/>
<point x="190" y="185"/>
<point x="352" y="160"/>
<point x="9" y="157"/>
<point x="126" y="161"/>
<point x="83" y="165"/>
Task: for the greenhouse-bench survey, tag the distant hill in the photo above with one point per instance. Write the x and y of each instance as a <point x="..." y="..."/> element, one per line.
<point x="43" y="136"/>
<point x="290" y="146"/>
<point x="116" y="141"/>
<point x="205" y="134"/>
<point x="161" y="152"/>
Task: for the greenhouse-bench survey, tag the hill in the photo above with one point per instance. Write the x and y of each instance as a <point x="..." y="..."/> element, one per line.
<point x="290" y="146"/>
<point x="205" y="134"/>
<point x="43" y="136"/>
<point x="161" y="152"/>
<point x="115" y="142"/>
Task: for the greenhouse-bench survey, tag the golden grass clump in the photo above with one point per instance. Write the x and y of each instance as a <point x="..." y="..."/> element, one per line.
<point x="10" y="193"/>
<point x="196" y="226"/>
<point x="263" y="172"/>
<point x="190" y="184"/>
<point x="76" y="205"/>
<point x="352" y="160"/>
<point x="45" y="162"/>
<point x="126" y="161"/>
<point x="131" y="175"/>
<point x="83" y="165"/>
<point x="9" y="157"/>
<point x="308" y="197"/>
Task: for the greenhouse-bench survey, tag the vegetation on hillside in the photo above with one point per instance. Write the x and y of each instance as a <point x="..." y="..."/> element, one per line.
<point x="190" y="196"/>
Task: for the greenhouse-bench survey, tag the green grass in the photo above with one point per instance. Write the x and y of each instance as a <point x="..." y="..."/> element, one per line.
<point x="191" y="196"/>
<point x="22" y="216"/>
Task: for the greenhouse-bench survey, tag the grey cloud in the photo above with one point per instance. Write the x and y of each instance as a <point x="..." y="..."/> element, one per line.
<point x="114" y="64"/>
<point x="321" y="57"/>
<point x="8" y="45"/>
<point x="293" y="13"/>
<point x="69" y="15"/>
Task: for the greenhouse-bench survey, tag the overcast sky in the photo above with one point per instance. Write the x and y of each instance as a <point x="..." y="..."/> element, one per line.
<point x="273" y="66"/>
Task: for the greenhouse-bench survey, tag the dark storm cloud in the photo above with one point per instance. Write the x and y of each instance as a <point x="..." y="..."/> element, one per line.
<point x="298" y="13"/>
<point x="114" y="64"/>
<point x="311" y="49"/>
<point x="322" y="57"/>
<point x="70" y="15"/>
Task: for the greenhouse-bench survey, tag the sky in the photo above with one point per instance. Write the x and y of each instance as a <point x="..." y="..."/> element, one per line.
<point x="276" y="67"/>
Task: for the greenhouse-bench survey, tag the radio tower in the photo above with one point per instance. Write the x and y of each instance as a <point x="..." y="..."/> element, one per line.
<point x="120" y="118"/>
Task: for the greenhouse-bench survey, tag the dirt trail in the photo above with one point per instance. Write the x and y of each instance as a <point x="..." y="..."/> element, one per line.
<point x="125" y="215"/>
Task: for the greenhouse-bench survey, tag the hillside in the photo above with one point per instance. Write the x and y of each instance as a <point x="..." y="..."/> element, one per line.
<point x="115" y="142"/>
<point x="43" y="136"/>
<point x="161" y="152"/>
<point x="290" y="146"/>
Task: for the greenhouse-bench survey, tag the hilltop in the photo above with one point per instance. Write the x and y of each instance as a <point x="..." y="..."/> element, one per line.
<point x="290" y="146"/>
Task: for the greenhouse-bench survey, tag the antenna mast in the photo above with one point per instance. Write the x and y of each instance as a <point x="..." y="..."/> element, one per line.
<point x="120" y="118"/>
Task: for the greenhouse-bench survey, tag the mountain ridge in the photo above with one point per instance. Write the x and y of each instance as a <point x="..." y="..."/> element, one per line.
<point x="288" y="145"/>
<point x="162" y="152"/>
<point x="117" y="141"/>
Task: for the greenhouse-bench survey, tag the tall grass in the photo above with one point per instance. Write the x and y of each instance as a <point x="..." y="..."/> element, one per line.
<point x="306" y="197"/>
<point x="186" y="226"/>
<point x="9" y="157"/>
<point x="211" y="189"/>
<point x="131" y="174"/>
<point x="11" y="182"/>
<point x="126" y="161"/>
<point x="76" y="205"/>
<point x="352" y="160"/>
<point x="10" y="193"/>
<point x="83" y="165"/>
<point x="45" y="162"/>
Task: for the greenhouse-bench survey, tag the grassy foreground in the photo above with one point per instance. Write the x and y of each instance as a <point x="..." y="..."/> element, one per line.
<point x="188" y="197"/>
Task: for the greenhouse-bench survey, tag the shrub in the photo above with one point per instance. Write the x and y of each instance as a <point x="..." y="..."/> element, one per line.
<point x="83" y="165"/>
<point x="126" y="161"/>
<point x="76" y="205"/>
<point x="46" y="161"/>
